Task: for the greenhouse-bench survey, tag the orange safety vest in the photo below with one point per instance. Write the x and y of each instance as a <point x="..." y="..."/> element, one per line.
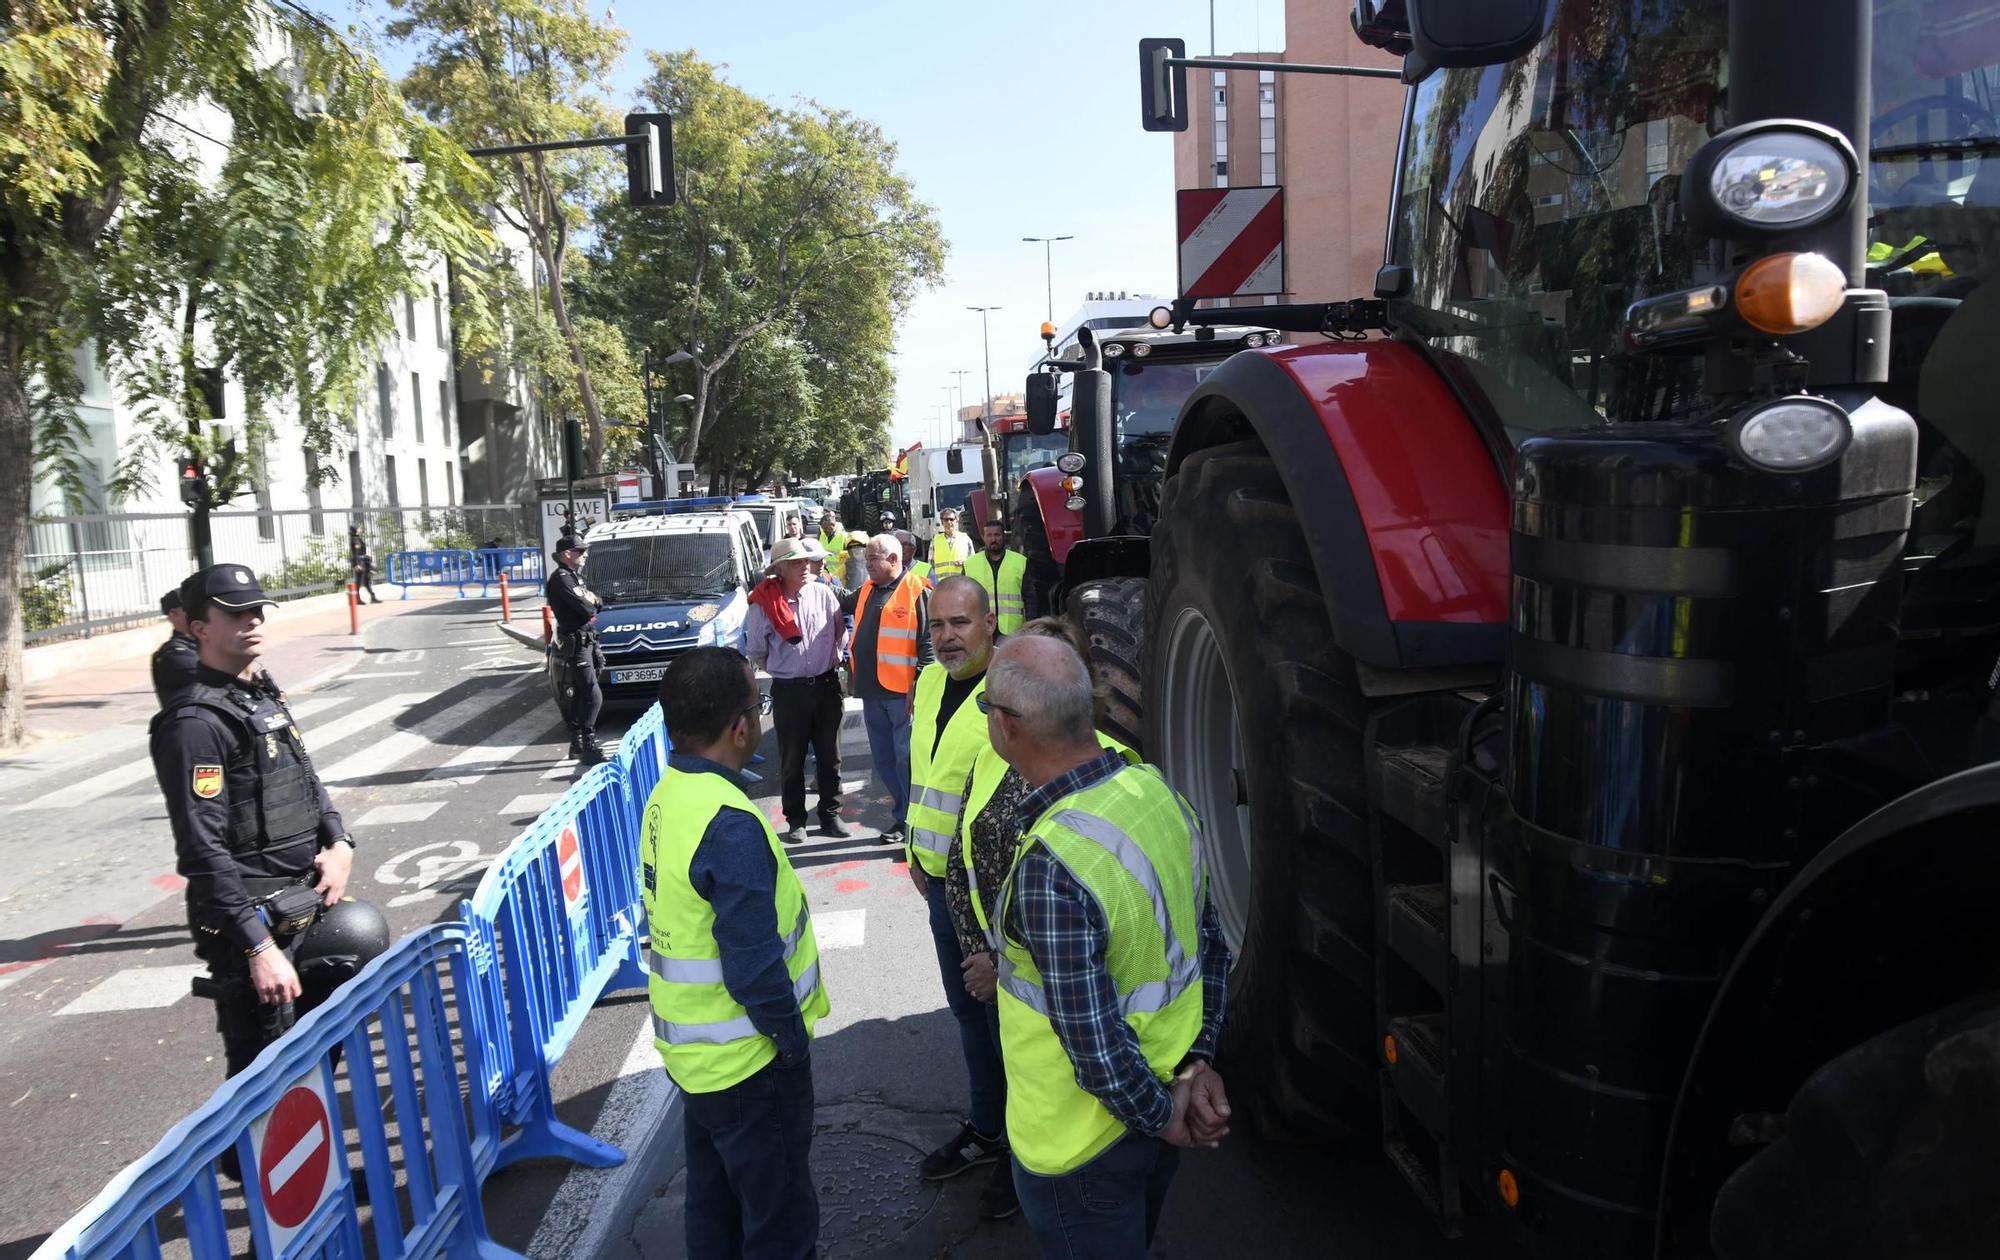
<point x="895" y="631"/>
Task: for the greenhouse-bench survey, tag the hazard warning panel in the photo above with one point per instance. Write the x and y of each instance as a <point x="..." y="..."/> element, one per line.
<point x="1232" y="241"/>
<point x="569" y="856"/>
<point x="294" y="1143"/>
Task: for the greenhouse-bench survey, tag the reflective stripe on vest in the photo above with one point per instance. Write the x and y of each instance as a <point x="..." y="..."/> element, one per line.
<point x="987" y="772"/>
<point x="705" y="1037"/>
<point x="1127" y="842"/>
<point x="1004" y="589"/>
<point x="895" y="644"/>
<point x="938" y="766"/>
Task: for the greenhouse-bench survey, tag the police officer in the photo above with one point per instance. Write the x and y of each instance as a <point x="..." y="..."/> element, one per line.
<point x="265" y="853"/>
<point x="576" y="606"/>
<point x="175" y="661"/>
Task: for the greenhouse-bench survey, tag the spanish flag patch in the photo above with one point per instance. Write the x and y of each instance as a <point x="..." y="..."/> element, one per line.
<point x="208" y="782"/>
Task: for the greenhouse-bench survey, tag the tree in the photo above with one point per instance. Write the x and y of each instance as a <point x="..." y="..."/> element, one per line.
<point x="791" y="224"/>
<point x="279" y="265"/>
<point x="498" y="72"/>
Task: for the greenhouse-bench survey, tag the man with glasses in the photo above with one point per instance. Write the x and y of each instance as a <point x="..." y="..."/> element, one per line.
<point x="949" y="548"/>
<point x="735" y="990"/>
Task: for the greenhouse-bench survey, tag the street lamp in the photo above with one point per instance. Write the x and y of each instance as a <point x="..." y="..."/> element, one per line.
<point x="986" y="340"/>
<point x="1048" y="244"/>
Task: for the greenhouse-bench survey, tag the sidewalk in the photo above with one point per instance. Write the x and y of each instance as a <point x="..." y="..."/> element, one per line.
<point x="82" y="686"/>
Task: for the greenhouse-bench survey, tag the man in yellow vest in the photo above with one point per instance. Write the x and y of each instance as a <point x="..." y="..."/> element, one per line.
<point x="892" y="641"/>
<point x="949" y="548"/>
<point x="1003" y="573"/>
<point x="1112" y="971"/>
<point x="947" y="731"/>
<point x="736" y="989"/>
<point x="831" y="535"/>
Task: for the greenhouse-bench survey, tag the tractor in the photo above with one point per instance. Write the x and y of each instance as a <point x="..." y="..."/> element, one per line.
<point x="1581" y="651"/>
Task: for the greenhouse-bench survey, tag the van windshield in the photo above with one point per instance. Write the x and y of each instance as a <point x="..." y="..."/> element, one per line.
<point x="662" y="566"/>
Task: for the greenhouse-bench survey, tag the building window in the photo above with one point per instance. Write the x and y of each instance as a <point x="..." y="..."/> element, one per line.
<point x="1269" y="169"/>
<point x="444" y="410"/>
<point x="1220" y="78"/>
<point x="385" y="400"/>
<point x="1267" y="131"/>
<point x="354" y="498"/>
<point x="1221" y="148"/>
<point x="389" y="469"/>
<point x="1657" y="135"/>
<point x="437" y="314"/>
<point x="1267" y="76"/>
<point x="423" y="484"/>
<point x="450" y="483"/>
<point x="1222" y="173"/>
<point x="410" y="313"/>
<point x="1222" y="181"/>
<point x="417" y="403"/>
<point x="1549" y="201"/>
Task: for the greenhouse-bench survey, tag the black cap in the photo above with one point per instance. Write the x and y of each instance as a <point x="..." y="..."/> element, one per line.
<point x="231" y="586"/>
<point x="170" y="602"/>
<point x="570" y="542"/>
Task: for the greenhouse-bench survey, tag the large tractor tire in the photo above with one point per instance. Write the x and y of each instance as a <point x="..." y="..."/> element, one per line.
<point x="1890" y="1150"/>
<point x="1255" y="715"/>
<point x="1112" y="615"/>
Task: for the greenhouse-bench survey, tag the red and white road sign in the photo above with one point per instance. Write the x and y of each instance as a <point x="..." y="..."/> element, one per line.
<point x="294" y="1143"/>
<point x="1232" y="241"/>
<point x="569" y="856"/>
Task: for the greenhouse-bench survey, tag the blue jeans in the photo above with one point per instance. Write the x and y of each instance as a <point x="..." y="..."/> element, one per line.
<point x="978" y="1023"/>
<point x="1105" y="1210"/>
<point x="888" y="723"/>
<point x="749" y="1182"/>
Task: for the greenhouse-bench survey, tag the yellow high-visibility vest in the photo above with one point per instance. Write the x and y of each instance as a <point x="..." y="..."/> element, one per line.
<point x="937" y="778"/>
<point x="1003" y="588"/>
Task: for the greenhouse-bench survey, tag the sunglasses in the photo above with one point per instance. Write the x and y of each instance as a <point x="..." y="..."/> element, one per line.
<point x="987" y="706"/>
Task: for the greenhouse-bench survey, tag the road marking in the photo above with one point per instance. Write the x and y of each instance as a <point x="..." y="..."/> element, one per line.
<point x="529" y="803"/>
<point x="388" y="815"/>
<point x="388" y="673"/>
<point x="840" y="929"/>
<point x="384" y="753"/>
<point x="434" y="864"/>
<point x="92" y="790"/>
<point x="510" y="741"/>
<point x="640" y="1115"/>
<point x="136" y="989"/>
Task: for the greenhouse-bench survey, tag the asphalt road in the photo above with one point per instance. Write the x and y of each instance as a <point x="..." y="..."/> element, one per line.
<point x="440" y="745"/>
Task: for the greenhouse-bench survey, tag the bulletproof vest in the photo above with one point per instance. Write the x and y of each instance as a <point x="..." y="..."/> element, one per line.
<point x="566" y="576"/>
<point x="273" y="791"/>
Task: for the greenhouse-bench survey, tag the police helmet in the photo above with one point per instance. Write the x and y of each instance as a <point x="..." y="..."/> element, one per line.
<point x="347" y="937"/>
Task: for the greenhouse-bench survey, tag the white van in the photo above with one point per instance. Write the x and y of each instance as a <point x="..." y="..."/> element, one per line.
<point x="935" y="487"/>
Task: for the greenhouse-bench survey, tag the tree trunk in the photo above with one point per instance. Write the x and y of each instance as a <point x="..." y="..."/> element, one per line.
<point x="695" y="414"/>
<point x="593" y="420"/>
<point x="15" y="490"/>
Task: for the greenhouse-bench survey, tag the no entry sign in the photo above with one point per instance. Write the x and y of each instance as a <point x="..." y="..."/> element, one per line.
<point x="1232" y="241"/>
<point x="294" y="1143"/>
<point x="570" y="857"/>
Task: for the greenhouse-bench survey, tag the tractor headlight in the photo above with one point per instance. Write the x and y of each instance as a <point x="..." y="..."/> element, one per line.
<point x="1141" y="349"/>
<point x="1791" y="435"/>
<point x="1114" y="349"/>
<point x="1770" y="178"/>
<point x="1070" y="462"/>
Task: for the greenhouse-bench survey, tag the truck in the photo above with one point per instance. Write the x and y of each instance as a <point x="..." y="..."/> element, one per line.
<point x="1580" y="651"/>
<point x="941" y="479"/>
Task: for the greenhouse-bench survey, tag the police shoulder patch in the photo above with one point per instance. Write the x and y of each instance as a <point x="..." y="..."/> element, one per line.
<point x="207" y="781"/>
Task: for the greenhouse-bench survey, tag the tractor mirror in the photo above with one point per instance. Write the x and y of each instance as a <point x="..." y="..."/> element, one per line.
<point x="954" y="461"/>
<point x="1448" y="33"/>
<point x="1041" y="402"/>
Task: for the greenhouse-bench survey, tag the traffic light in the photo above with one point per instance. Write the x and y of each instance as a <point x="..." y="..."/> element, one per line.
<point x="194" y="486"/>
<point x="1163" y="103"/>
<point x="649" y="162"/>
<point x="575" y="466"/>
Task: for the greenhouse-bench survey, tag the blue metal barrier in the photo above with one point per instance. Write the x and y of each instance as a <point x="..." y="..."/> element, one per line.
<point x="642" y="755"/>
<point x="559" y="919"/>
<point x="284" y="1120"/>
<point x="520" y="564"/>
<point x="432" y="568"/>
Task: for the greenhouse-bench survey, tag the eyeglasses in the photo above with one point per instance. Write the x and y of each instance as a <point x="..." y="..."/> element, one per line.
<point x="763" y="706"/>
<point x="987" y="706"/>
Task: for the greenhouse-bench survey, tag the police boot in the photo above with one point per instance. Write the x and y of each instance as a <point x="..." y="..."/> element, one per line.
<point x="593" y="753"/>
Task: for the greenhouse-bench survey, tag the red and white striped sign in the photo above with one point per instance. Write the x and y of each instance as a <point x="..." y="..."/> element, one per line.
<point x="295" y="1166"/>
<point x="570" y="857"/>
<point x="1232" y="241"/>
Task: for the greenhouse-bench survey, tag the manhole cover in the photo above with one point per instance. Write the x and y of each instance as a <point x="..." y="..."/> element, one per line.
<point x="869" y="1192"/>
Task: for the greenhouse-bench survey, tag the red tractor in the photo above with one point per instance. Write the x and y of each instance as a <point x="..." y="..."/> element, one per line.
<point x="1587" y="680"/>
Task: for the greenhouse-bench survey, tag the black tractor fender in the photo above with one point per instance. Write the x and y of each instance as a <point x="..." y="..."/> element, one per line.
<point x="1891" y="921"/>
<point x="1249" y="395"/>
<point x="1095" y="559"/>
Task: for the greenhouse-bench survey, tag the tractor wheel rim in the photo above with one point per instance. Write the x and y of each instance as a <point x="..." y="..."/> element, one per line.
<point x="1204" y="758"/>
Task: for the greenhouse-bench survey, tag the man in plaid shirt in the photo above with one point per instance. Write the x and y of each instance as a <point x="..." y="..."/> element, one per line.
<point x="1039" y="706"/>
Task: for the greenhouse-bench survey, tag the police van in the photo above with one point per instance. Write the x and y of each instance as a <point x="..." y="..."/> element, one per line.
<point x="675" y="574"/>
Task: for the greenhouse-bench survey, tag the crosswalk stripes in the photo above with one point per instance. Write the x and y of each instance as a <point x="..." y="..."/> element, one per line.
<point x="368" y="762"/>
<point x="510" y="741"/>
<point x="140" y="769"/>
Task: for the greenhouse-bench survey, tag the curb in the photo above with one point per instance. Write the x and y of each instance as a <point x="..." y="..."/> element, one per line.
<point x="520" y="636"/>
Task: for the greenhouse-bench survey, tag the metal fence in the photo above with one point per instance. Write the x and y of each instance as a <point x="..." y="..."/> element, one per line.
<point x="90" y="574"/>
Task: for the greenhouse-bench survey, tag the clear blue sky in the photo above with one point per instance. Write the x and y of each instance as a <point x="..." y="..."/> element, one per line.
<point x="1017" y="118"/>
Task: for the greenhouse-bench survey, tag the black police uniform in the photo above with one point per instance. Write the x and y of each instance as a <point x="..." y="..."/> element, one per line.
<point x="174" y="664"/>
<point x="249" y="815"/>
<point x="574" y="605"/>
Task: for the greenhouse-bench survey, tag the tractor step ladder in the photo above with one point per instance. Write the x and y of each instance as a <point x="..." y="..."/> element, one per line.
<point x="1411" y="761"/>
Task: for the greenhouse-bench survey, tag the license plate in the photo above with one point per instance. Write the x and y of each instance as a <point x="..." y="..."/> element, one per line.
<point x="649" y="674"/>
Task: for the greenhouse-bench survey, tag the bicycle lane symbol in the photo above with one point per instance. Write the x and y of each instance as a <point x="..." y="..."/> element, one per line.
<point x="425" y="867"/>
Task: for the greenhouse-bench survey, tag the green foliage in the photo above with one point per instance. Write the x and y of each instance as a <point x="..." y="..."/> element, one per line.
<point x="324" y="562"/>
<point x="447" y="530"/>
<point x="795" y="246"/>
<point x="45" y="599"/>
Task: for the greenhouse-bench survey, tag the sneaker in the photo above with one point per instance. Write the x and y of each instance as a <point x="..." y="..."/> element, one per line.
<point x="998" y="1201"/>
<point x="967" y="1150"/>
<point x="795" y="834"/>
<point x="894" y="836"/>
<point x="834" y="827"/>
